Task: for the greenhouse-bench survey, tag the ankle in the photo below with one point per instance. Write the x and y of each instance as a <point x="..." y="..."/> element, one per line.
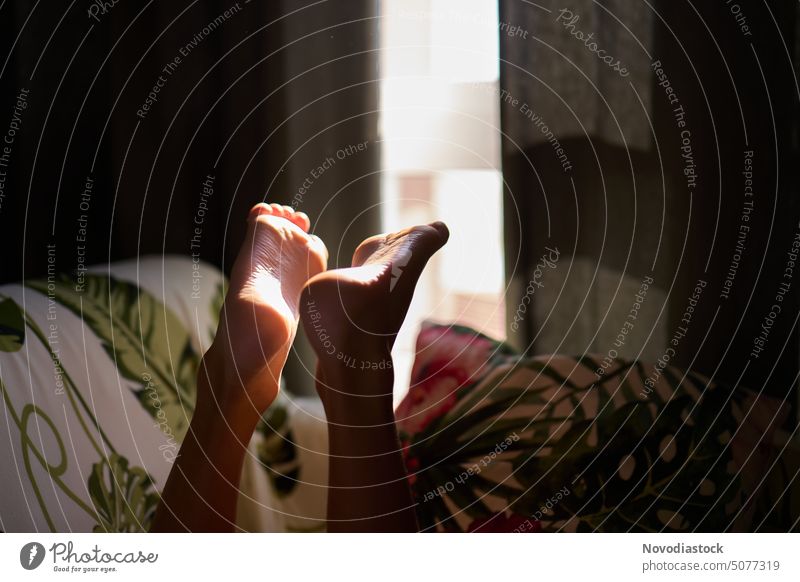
<point x="349" y="411"/>
<point x="213" y="424"/>
<point x="221" y="391"/>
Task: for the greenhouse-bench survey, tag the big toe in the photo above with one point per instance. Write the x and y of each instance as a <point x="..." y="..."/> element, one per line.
<point x="441" y="228"/>
<point x="412" y="246"/>
<point x="420" y="242"/>
<point x="409" y="252"/>
<point x="258" y="210"/>
<point x="424" y="241"/>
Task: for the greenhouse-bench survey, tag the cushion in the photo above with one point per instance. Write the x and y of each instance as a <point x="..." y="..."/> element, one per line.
<point x="97" y="375"/>
<point x="499" y="442"/>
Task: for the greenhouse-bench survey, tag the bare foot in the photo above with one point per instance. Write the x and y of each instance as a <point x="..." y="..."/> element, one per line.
<point x="352" y="315"/>
<point x="259" y="317"/>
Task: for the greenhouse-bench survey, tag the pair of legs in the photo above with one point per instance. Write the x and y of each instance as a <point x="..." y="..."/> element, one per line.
<point x="351" y="317"/>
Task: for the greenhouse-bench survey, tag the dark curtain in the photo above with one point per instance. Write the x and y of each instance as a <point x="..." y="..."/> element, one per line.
<point x="679" y="198"/>
<point x="146" y="121"/>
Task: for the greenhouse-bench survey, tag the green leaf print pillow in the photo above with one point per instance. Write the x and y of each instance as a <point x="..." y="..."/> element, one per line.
<point x="97" y="379"/>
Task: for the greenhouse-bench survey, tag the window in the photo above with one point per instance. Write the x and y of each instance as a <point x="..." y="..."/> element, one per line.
<point x="441" y="158"/>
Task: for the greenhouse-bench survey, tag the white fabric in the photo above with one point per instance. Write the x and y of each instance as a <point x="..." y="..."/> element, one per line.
<point x="29" y="377"/>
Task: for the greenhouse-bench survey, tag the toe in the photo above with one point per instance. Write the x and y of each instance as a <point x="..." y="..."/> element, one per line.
<point x="442" y="229"/>
<point x="258" y="210"/>
<point x="302" y="220"/>
<point x="299" y="219"/>
<point x="426" y="239"/>
<point x="277" y="210"/>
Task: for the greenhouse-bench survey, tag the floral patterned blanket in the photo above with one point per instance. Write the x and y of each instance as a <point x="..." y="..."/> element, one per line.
<point x="499" y="442"/>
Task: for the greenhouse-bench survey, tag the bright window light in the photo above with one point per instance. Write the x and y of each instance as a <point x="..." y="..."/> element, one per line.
<point x="441" y="158"/>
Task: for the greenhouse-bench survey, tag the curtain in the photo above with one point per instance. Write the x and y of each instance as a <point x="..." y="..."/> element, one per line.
<point x="151" y="128"/>
<point x="669" y="192"/>
<point x="586" y="70"/>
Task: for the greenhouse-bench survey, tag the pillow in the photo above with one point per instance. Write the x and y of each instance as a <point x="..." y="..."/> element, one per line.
<point x="494" y="441"/>
<point x="97" y="375"/>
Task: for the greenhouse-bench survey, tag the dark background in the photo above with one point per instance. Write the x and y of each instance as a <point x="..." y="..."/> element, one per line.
<point x="737" y="95"/>
<point x="229" y="100"/>
<point x="283" y="85"/>
<point x="265" y="97"/>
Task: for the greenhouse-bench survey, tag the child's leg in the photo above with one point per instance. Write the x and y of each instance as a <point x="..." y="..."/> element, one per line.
<point x="240" y="373"/>
<point x="352" y="317"/>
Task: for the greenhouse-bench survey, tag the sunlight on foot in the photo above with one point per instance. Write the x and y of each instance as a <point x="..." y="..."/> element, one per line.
<point x="259" y="317"/>
<point x="353" y="315"/>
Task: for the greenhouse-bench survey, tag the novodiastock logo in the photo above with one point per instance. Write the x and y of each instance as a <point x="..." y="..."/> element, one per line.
<point x="31" y="555"/>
